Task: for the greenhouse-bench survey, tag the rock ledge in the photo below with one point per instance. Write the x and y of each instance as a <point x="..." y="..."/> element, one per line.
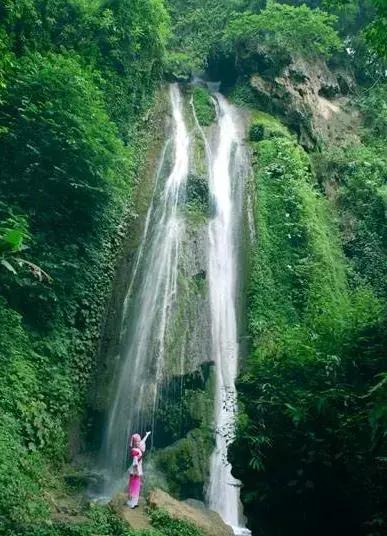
<point x="209" y="522"/>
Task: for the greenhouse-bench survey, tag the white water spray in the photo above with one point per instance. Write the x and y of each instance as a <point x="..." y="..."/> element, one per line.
<point x="148" y="311"/>
<point x="226" y="180"/>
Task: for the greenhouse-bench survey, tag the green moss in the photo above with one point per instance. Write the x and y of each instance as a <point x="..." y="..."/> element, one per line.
<point x="263" y="126"/>
<point x="297" y="265"/>
<point x="185" y="463"/>
<point x="204" y="106"/>
<point x="197" y="194"/>
<point x="199" y="155"/>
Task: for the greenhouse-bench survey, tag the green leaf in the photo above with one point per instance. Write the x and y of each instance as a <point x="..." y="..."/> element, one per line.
<point x="14" y="238"/>
<point x="8" y="265"/>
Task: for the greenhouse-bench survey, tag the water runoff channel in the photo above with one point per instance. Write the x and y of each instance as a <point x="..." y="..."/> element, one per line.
<point x="153" y="293"/>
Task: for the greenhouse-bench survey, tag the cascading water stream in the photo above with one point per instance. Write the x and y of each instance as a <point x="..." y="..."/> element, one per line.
<point x="226" y="180"/>
<point x="148" y="309"/>
<point x="151" y="305"/>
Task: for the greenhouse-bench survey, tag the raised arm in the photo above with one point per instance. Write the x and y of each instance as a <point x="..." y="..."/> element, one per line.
<point x="143" y="441"/>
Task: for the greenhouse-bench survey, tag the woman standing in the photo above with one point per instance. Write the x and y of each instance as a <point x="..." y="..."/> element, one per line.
<point x="137" y="449"/>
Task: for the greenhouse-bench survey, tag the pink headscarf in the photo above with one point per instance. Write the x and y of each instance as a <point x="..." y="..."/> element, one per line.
<point x="136" y="438"/>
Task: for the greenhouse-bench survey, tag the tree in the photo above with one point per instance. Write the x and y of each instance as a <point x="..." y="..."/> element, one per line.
<point x="376" y="29"/>
<point x="298" y="30"/>
<point x="376" y="32"/>
<point x="197" y="31"/>
<point x="60" y="153"/>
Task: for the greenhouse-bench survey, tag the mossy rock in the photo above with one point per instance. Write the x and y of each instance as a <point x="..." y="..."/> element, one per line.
<point x="204" y="106"/>
<point x="264" y="126"/>
<point x="197" y="196"/>
<point x="186" y="463"/>
<point x="173" y="517"/>
<point x="186" y="404"/>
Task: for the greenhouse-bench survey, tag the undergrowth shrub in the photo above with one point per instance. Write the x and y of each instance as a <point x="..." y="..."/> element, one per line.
<point x="169" y="526"/>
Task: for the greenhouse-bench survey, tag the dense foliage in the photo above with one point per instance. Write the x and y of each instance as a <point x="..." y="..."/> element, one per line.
<point x="104" y="522"/>
<point x="173" y="527"/>
<point x="216" y="33"/>
<point x="197" y="27"/>
<point x="203" y="106"/>
<point x="298" y="30"/>
<point x="313" y="391"/>
<point x="75" y="78"/>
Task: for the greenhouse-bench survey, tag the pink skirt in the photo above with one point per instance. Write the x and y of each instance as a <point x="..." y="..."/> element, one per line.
<point x="134" y="485"/>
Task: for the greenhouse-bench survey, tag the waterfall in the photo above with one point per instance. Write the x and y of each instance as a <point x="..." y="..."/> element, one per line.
<point x="168" y="259"/>
<point x="226" y="179"/>
<point x="147" y="307"/>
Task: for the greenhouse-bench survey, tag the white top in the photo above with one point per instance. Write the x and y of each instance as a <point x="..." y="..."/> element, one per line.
<point x="136" y="466"/>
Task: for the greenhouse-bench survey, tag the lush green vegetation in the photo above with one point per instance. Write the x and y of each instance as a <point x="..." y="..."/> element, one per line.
<point x="172" y="527"/>
<point x="96" y="520"/>
<point x="75" y="79"/>
<point x="104" y="522"/>
<point x="216" y="34"/>
<point x="297" y="30"/>
<point x="371" y="12"/>
<point x="183" y="431"/>
<point x="312" y="390"/>
<point x="198" y="27"/>
<point x="204" y="106"/>
<point x="312" y="427"/>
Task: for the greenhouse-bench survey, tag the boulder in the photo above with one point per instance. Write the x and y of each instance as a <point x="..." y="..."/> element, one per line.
<point x="209" y="522"/>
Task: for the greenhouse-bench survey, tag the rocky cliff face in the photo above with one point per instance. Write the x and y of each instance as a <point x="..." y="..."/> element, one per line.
<point x="311" y="98"/>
